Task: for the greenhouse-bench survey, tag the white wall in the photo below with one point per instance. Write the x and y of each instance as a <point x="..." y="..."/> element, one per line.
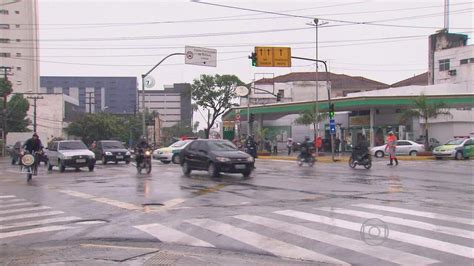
<point x="464" y="73"/>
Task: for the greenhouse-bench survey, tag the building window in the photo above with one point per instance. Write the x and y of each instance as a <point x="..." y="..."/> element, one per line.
<point x="18" y="68"/>
<point x="17" y="26"/>
<point x="464" y="61"/>
<point x="18" y="40"/>
<point x="4" y="54"/>
<point x="18" y="54"/>
<point x="4" y="26"/>
<point x="444" y="65"/>
<point x="17" y="12"/>
<point x="3" y="11"/>
<point x="4" y="40"/>
<point x="18" y="82"/>
<point x="471" y="60"/>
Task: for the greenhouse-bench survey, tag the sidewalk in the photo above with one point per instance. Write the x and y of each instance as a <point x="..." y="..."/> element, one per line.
<point x="326" y="158"/>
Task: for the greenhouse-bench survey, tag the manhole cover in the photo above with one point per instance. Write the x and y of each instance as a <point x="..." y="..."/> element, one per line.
<point x="91" y="221"/>
<point x="152" y="204"/>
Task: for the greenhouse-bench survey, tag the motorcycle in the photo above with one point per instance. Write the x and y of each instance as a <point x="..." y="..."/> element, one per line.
<point x="145" y="162"/>
<point x="308" y="158"/>
<point x="29" y="164"/>
<point x="360" y="158"/>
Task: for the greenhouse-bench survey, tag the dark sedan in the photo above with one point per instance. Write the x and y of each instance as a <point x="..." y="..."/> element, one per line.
<point x="215" y="156"/>
<point x="111" y="151"/>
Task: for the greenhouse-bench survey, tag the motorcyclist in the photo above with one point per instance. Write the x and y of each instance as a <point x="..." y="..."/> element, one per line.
<point x="34" y="146"/>
<point x="251" y="146"/>
<point x="362" y="148"/>
<point x="306" y="146"/>
<point x="140" y="149"/>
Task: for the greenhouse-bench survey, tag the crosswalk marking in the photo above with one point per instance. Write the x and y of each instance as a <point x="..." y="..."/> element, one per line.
<point x="7" y="196"/>
<point x="170" y="235"/>
<point x="405" y="222"/>
<point x="33" y="231"/>
<point x="25" y="210"/>
<point x="30" y="215"/>
<point x="21" y="204"/>
<point x="265" y="243"/>
<point x="436" y="216"/>
<point x="395" y="235"/>
<point x="39" y="222"/>
<point x="11" y="201"/>
<point x="379" y="252"/>
<point x="116" y="203"/>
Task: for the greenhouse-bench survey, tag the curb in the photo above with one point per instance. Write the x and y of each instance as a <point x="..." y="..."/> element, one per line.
<point x="345" y="159"/>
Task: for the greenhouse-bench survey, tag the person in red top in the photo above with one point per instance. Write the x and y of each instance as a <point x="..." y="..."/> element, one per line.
<point x="391" y="147"/>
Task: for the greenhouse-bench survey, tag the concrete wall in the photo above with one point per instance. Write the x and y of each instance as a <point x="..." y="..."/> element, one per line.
<point x="464" y="72"/>
<point x="446" y="131"/>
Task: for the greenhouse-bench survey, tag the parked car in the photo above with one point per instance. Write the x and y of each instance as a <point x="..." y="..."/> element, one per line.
<point x="171" y="153"/>
<point x="404" y="147"/>
<point x="432" y="142"/>
<point x="215" y="156"/>
<point x="111" y="151"/>
<point x="70" y="153"/>
<point x="455" y="148"/>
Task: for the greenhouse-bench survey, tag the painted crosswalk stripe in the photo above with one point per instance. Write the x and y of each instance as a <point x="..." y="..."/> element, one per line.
<point x="395" y="235"/>
<point x="33" y="231"/>
<point x="21" y="204"/>
<point x="170" y="235"/>
<point x="11" y="201"/>
<point x="30" y="215"/>
<point x="112" y="202"/>
<point x="402" y="221"/>
<point x="265" y="243"/>
<point x="436" y="216"/>
<point x="39" y="222"/>
<point x="7" y="197"/>
<point x="25" y="210"/>
<point x="379" y="252"/>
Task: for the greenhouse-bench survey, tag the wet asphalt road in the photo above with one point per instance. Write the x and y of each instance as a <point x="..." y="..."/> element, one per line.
<point x="420" y="211"/>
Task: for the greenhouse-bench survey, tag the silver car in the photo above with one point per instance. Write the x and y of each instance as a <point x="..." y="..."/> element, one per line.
<point x="404" y="147"/>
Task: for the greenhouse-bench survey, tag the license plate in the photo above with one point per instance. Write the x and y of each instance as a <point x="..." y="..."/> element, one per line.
<point x="120" y="157"/>
<point x="80" y="160"/>
<point x="240" y="166"/>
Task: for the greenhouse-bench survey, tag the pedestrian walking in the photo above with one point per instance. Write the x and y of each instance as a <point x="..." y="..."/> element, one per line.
<point x="275" y="146"/>
<point x="337" y="144"/>
<point x="289" y="145"/>
<point x="391" y="148"/>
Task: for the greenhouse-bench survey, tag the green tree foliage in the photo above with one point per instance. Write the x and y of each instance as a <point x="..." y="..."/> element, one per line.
<point x="17" y="108"/>
<point x="214" y="94"/>
<point x="103" y="126"/>
<point x="5" y="87"/>
<point x="425" y="110"/>
<point x="308" y="117"/>
<point x="176" y="131"/>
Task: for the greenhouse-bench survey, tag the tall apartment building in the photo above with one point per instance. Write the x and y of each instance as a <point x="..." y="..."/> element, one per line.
<point x="117" y="95"/>
<point x="173" y="104"/>
<point x="19" y="43"/>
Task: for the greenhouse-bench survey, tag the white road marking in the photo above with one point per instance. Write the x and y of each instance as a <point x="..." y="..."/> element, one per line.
<point x="171" y="203"/>
<point x="112" y="202"/>
<point x="33" y="231"/>
<point x="459" y="250"/>
<point x="431" y="215"/>
<point x="406" y="222"/>
<point x="7" y="197"/>
<point x="170" y="235"/>
<point x="2" y="202"/>
<point x="5" y="206"/>
<point x="25" y="210"/>
<point x="265" y="243"/>
<point x="30" y="215"/>
<point x="379" y="252"/>
<point x="117" y="247"/>
<point x="39" y="222"/>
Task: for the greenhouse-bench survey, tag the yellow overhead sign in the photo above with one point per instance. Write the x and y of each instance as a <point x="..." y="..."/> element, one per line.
<point x="273" y="56"/>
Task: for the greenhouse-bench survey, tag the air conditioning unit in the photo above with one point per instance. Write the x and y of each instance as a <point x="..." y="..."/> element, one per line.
<point x="452" y="72"/>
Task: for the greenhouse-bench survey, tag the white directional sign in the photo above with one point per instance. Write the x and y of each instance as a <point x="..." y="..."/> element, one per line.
<point x="200" y="56"/>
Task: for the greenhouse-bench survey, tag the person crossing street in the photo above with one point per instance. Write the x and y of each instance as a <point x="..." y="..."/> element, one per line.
<point x="391" y="148"/>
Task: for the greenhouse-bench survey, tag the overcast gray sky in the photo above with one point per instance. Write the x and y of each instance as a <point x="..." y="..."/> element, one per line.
<point x="126" y="38"/>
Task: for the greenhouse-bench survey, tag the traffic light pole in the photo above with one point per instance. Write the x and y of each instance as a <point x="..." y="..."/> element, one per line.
<point x="327" y="87"/>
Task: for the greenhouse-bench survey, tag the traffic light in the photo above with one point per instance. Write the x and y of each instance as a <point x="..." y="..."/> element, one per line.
<point x="331" y="111"/>
<point x="252" y="118"/>
<point x="279" y="97"/>
<point x="253" y="57"/>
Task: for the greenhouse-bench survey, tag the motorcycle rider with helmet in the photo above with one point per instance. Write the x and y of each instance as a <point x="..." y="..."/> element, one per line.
<point x="306" y="147"/>
<point x="140" y="149"/>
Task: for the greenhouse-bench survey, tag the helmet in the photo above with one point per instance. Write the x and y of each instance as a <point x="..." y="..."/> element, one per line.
<point x="142" y="138"/>
<point x="306" y="138"/>
<point x="35" y="135"/>
<point x="390" y="132"/>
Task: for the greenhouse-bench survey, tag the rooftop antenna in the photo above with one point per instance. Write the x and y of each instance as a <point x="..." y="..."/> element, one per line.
<point x="446" y="15"/>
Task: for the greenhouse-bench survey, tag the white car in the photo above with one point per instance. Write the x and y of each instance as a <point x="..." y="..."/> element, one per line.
<point x="404" y="147"/>
<point x="70" y="153"/>
<point x="171" y="153"/>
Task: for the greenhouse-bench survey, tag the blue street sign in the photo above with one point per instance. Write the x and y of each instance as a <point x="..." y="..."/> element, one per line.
<point x="332" y="126"/>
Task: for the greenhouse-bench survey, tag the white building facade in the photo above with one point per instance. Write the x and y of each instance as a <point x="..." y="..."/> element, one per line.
<point x="19" y="43"/>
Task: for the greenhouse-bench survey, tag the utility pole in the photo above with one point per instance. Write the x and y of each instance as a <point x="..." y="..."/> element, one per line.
<point x="4" y="130"/>
<point x="34" y="98"/>
<point x="89" y="96"/>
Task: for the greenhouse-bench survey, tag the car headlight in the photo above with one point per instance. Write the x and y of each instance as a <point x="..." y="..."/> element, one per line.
<point x="127" y="153"/>
<point x="147" y="153"/>
<point x="223" y="159"/>
<point x="108" y="153"/>
<point x="250" y="159"/>
<point x="92" y="156"/>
